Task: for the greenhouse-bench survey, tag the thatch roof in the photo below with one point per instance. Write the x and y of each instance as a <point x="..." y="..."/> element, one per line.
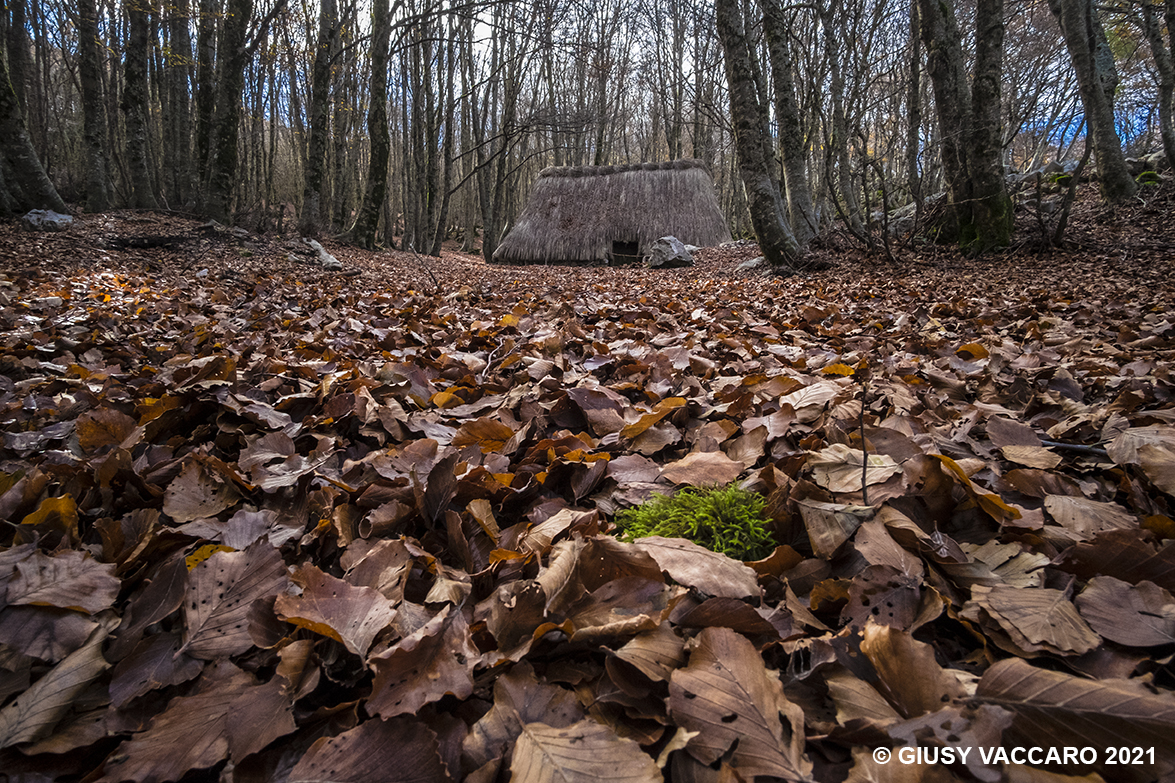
<point x="575" y="214"/>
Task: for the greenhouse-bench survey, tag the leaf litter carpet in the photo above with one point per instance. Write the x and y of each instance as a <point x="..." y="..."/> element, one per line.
<point x="265" y="523"/>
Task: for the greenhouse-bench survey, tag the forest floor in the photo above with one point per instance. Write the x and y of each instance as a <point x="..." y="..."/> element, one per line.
<point x="269" y="522"/>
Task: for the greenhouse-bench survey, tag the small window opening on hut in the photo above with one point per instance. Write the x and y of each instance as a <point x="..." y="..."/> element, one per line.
<point x="625" y="253"/>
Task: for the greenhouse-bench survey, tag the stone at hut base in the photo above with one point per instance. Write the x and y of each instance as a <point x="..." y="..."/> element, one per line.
<point x="668" y="253"/>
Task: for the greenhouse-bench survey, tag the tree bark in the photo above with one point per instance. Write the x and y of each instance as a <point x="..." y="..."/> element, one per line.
<point x="980" y="216"/>
<point x="178" y="135"/>
<point x="23" y="182"/>
<point x="135" y="104"/>
<point x="839" y="142"/>
<point x="1164" y="57"/>
<point x="791" y="133"/>
<point x="93" y="109"/>
<point x="363" y="233"/>
<point x="205" y="85"/>
<point x="311" y="221"/>
<point x="914" y="111"/>
<point x="230" y="83"/>
<point x="776" y="240"/>
<point x="1093" y="63"/>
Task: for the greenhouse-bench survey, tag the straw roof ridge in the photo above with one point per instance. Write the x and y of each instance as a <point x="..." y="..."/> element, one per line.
<point x="584" y="214"/>
<point x="602" y="171"/>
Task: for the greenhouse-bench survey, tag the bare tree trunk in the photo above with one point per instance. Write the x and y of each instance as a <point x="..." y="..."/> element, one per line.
<point x="363" y="233"/>
<point x="135" y="104"/>
<point x="178" y="130"/>
<point x="1164" y="57"/>
<point x="205" y="85"/>
<point x="992" y="217"/>
<point x="93" y="111"/>
<point x="791" y="133"/>
<point x="839" y="142"/>
<point x="23" y="182"/>
<point x="1093" y="63"/>
<point x="328" y="25"/>
<point x="914" y="110"/>
<point x="232" y="59"/>
<point x="980" y="217"/>
<point x="776" y="240"/>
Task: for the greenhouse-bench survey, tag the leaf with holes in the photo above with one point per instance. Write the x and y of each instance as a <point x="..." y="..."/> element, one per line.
<point x="727" y="694"/>
<point x="221" y="591"/>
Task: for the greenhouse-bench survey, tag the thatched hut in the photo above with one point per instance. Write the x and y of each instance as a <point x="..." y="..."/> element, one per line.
<point x="611" y="214"/>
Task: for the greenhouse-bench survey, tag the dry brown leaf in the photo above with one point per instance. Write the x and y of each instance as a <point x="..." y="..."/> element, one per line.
<point x="702" y="469"/>
<point x="190" y="734"/>
<point x="221" y="591"/>
<point x="336" y="609"/>
<point x="433" y="662"/>
<point x="838" y="468"/>
<point x="908" y="675"/>
<point x="830" y="525"/>
<point x="1141" y="615"/>
<point x="727" y="694"/>
<point x="695" y="566"/>
<point x="519" y="698"/>
<point x="1059" y="710"/>
<point x="400" y="750"/>
<point x="583" y="751"/>
<point x="1087" y="517"/>
<point x="656" y="653"/>
<point x="198" y="492"/>
<point x="1032" y="456"/>
<point x="1153" y="449"/>
<point x="34" y="713"/>
<point x="1037" y="618"/>
<point x="68" y="580"/>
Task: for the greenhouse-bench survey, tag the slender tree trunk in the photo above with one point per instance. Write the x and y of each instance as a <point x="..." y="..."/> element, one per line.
<point x="135" y="104"/>
<point x="178" y="147"/>
<point x="914" y="110"/>
<point x="992" y="217"/>
<point x="980" y="216"/>
<point x="232" y="62"/>
<point x="791" y="133"/>
<point x="1164" y="58"/>
<point x="1093" y="63"/>
<point x="363" y="232"/>
<point x="19" y="67"/>
<point x="23" y="182"/>
<point x="320" y="77"/>
<point x="93" y="110"/>
<point x="776" y="240"/>
<point x="839" y="142"/>
<point x="205" y="85"/>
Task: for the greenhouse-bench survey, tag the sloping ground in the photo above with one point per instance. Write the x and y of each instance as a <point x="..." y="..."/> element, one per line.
<point x="270" y="523"/>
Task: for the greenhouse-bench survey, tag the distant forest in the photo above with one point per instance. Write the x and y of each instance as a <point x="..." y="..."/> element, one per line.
<point x="406" y="122"/>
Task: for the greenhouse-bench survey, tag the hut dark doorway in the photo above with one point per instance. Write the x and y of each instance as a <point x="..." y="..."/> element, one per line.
<point x="625" y="253"/>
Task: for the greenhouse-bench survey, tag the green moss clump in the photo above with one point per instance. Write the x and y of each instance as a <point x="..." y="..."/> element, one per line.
<point x="723" y="519"/>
